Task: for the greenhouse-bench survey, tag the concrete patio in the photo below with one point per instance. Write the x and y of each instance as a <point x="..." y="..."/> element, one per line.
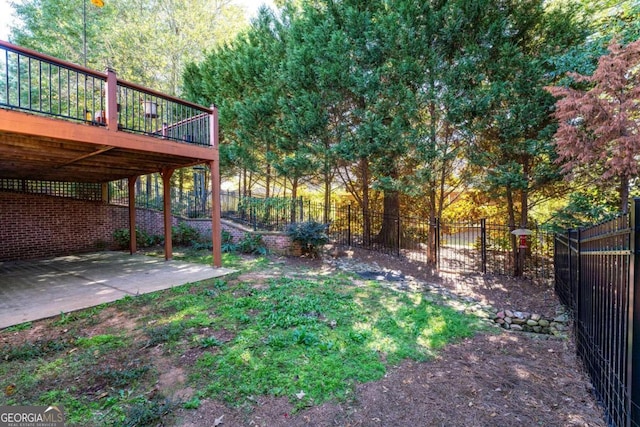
<point x="32" y="290"/>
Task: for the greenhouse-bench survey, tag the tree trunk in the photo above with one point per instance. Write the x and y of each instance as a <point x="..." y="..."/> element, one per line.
<point x="294" y="201"/>
<point x="432" y="252"/>
<point x="244" y="181"/>
<point x="624" y="193"/>
<point x="433" y="215"/>
<point x="267" y="184"/>
<point x="388" y="235"/>
<point x="148" y="184"/>
<point x="512" y="226"/>
<point x="181" y="186"/>
<point x="268" y="170"/>
<point x="327" y="192"/>
<point x="366" y="219"/>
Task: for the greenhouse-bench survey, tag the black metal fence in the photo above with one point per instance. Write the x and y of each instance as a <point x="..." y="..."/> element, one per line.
<point x="265" y="213"/>
<point x="481" y="246"/>
<point x="470" y="247"/>
<point x="597" y="276"/>
<point x="193" y="203"/>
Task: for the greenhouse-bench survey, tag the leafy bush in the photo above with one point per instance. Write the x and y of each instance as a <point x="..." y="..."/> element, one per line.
<point x="144" y="412"/>
<point x="252" y="244"/>
<point x="121" y="237"/>
<point x="227" y="242"/>
<point x="143" y="239"/>
<point x="185" y="235"/>
<point x="311" y="235"/>
<point x="199" y="246"/>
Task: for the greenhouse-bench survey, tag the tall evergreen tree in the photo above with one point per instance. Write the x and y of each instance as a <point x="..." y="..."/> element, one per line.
<point x="509" y="108"/>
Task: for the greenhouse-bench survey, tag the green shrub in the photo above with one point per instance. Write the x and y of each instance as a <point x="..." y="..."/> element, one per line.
<point x="143" y="239"/>
<point x="227" y="242"/>
<point x="252" y="244"/>
<point x="185" y="235"/>
<point x="311" y="235"/>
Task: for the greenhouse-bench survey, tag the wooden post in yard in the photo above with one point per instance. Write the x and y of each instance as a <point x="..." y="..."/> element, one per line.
<point x="216" y="227"/>
<point x="166" y="196"/>
<point x="132" y="214"/>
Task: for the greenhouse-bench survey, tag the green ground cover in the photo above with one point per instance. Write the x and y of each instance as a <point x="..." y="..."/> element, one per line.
<point x="307" y="336"/>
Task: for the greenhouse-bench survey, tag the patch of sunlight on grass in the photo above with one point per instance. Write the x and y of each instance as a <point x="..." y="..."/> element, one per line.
<point x="381" y="342"/>
<point x="180" y="315"/>
<point x="51" y="369"/>
<point x="431" y="336"/>
<point x="362" y="326"/>
<point x="104" y="340"/>
<point x="363" y="297"/>
<point x="415" y="298"/>
<point x="246" y="357"/>
<point x="391" y="304"/>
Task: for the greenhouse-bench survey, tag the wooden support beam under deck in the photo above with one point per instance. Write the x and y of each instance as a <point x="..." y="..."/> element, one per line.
<point x="132" y="215"/>
<point x="166" y="195"/>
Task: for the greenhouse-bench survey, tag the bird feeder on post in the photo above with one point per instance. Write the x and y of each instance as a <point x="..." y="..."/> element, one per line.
<point x="521" y="234"/>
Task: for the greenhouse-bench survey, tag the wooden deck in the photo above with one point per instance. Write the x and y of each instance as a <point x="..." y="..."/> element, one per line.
<point x="48" y="131"/>
<point x="43" y="148"/>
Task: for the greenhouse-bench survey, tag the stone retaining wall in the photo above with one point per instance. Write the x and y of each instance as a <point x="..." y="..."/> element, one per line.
<point x="275" y="241"/>
<point x="532" y="322"/>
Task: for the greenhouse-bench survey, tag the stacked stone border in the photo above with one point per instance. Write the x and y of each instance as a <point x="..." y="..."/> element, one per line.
<point x="532" y="322"/>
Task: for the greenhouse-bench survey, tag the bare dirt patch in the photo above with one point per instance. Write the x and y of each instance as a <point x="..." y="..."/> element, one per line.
<point x="489" y="380"/>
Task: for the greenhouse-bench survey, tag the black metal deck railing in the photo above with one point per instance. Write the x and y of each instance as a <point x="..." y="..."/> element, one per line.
<point x="37" y="83"/>
<point x="147" y="112"/>
<point x="44" y="85"/>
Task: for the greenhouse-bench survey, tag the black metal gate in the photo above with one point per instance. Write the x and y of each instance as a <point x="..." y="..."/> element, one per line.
<point x="488" y="247"/>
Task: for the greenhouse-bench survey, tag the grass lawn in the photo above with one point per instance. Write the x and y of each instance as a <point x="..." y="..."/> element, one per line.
<point x="263" y="331"/>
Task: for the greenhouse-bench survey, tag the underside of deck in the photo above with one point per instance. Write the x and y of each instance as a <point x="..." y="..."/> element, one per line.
<point x="43" y="148"/>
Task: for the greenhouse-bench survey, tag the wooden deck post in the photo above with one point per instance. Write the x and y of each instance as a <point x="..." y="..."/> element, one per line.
<point x="166" y="196"/>
<point x="132" y="214"/>
<point x="216" y="226"/>
<point x="111" y="100"/>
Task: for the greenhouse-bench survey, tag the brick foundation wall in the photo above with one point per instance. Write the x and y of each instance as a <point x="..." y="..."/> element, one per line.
<point x="37" y="226"/>
<point x="275" y="241"/>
